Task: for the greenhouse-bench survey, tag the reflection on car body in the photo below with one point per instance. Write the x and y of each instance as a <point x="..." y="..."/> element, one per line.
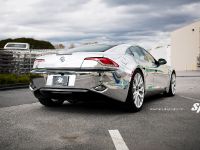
<point x="122" y="72"/>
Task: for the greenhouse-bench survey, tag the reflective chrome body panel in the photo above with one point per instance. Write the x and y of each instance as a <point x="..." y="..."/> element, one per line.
<point x="93" y="77"/>
<point x="116" y="83"/>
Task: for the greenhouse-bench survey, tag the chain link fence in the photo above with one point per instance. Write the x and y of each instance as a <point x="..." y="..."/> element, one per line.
<point x="20" y="61"/>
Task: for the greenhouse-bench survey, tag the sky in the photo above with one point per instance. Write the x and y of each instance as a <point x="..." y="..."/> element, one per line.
<point x="147" y="23"/>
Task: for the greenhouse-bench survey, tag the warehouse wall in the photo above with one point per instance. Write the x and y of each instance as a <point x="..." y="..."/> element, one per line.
<point x="185" y="44"/>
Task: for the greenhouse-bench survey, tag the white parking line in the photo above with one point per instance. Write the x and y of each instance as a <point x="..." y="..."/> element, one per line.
<point x="118" y="140"/>
<point x="190" y="98"/>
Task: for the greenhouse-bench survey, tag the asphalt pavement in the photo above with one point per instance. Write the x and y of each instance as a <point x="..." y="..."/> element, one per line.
<point x="16" y="97"/>
<point x="163" y="123"/>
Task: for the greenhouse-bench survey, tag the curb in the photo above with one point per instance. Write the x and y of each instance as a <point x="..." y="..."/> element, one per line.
<point x="189" y="76"/>
<point x="12" y="87"/>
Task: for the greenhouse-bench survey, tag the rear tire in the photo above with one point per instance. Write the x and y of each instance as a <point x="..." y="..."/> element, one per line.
<point x="46" y="101"/>
<point x="136" y="92"/>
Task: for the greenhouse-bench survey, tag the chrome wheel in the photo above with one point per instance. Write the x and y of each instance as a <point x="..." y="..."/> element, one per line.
<point x="138" y="90"/>
<point x="173" y="83"/>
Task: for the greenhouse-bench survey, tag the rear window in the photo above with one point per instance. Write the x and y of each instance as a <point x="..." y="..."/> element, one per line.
<point x="16" y="45"/>
<point x="88" y="48"/>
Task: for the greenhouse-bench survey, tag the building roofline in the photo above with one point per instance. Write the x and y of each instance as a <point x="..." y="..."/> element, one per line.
<point x="188" y="24"/>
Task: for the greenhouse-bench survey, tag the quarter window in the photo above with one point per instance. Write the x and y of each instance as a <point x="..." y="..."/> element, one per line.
<point x="148" y="57"/>
<point x="141" y="54"/>
<point x="137" y="52"/>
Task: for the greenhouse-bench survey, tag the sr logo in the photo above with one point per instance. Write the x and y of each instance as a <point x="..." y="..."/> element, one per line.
<point x="196" y="107"/>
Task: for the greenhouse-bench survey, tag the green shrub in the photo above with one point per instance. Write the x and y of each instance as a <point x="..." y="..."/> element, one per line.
<point x="23" y="79"/>
<point x="6" y="79"/>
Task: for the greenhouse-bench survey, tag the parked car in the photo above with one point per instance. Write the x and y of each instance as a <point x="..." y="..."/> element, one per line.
<point x="14" y="45"/>
<point x="124" y="72"/>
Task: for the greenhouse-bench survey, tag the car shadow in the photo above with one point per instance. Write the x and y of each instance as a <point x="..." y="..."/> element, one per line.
<point x="101" y="105"/>
<point x="105" y="106"/>
<point x="154" y="97"/>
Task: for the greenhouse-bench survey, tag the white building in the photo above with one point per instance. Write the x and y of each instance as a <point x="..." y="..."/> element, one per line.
<point x="185" y="47"/>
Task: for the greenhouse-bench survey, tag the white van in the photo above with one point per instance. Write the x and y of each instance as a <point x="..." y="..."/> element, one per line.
<point x="14" y="45"/>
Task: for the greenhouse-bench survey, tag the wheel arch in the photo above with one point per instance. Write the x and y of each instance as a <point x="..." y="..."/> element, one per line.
<point x="140" y="70"/>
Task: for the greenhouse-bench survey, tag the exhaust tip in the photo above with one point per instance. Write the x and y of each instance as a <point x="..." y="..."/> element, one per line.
<point x="100" y="88"/>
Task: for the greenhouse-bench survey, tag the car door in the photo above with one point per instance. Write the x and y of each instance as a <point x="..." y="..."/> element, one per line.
<point x="160" y="72"/>
<point x="162" y="76"/>
<point x="147" y="66"/>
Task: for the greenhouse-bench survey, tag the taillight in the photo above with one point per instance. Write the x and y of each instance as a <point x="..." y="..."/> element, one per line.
<point x="104" y="61"/>
<point x="39" y="60"/>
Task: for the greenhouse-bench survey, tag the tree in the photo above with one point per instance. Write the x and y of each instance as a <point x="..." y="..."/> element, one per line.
<point x="59" y="46"/>
<point x="71" y="46"/>
<point x="198" y="60"/>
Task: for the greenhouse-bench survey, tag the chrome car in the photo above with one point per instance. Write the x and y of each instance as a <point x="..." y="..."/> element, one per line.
<point x="124" y="72"/>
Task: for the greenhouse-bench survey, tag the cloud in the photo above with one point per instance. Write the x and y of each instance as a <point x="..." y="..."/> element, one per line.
<point x="78" y="21"/>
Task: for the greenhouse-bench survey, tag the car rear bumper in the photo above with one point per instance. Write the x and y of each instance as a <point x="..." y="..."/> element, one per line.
<point x="109" y="83"/>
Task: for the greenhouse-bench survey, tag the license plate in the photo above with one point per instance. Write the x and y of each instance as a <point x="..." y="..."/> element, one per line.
<point x="60" y="80"/>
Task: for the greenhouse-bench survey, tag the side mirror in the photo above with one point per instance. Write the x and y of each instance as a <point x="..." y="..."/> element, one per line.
<point x="161" y="61"/>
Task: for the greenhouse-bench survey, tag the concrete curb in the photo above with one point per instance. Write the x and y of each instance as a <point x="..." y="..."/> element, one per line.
<point x="12" y="87"/>
<point x="188" y="76"/>
<point x="188" y="73"/>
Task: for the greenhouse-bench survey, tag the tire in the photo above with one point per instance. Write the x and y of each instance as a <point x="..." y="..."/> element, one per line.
<point x="172" y="86"/>
<point x="46" y="101"/>
<point x="136" y="92"/>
